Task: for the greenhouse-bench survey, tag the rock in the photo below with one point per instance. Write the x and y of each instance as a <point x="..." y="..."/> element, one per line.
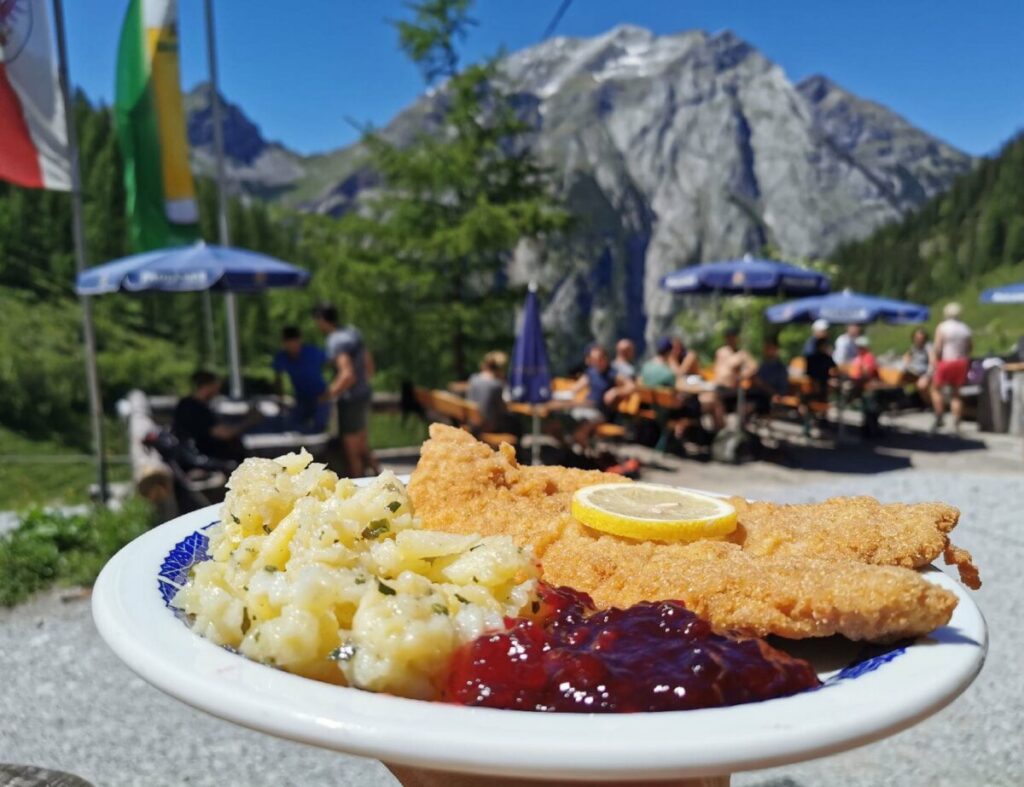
<point x="672" y="150"/>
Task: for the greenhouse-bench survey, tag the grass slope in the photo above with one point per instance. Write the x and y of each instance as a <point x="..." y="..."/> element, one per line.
<point x="996" y="327"/>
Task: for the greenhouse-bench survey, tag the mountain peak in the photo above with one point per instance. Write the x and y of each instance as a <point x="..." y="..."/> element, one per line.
<point x="672" y="149"/>
<point x="243" y="140"/>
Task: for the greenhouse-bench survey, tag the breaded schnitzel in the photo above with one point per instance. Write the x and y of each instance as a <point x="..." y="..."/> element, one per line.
<point x="854" y="528"/>
<point x="461" y="485"/>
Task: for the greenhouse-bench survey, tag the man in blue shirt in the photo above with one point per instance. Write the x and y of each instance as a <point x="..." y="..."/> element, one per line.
<point x="604" y="391"/>
<point x="303" y="363"/>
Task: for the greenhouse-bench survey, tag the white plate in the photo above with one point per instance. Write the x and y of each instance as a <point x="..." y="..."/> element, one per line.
<point x="864" y="698"/>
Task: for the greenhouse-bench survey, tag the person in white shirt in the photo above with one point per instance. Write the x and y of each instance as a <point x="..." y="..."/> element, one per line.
<point x="952" y="350"/>
<point x="845" y="349"/>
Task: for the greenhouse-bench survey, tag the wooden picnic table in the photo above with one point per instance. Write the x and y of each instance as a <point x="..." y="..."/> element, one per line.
<point x="545" y="409"/>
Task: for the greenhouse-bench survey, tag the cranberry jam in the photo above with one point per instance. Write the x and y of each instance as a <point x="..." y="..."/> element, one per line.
<point x="650" y="657"/>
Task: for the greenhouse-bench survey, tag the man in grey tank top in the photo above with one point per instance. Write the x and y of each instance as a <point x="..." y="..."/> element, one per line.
<point x="352" y="365"/>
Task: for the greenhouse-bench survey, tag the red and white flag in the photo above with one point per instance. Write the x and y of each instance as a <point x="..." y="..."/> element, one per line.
<point x="33" y="134"/>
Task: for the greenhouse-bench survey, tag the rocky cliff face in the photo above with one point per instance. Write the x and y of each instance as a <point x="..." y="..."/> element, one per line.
<point x="253" y="165"/>
<point x="680" y="149"/>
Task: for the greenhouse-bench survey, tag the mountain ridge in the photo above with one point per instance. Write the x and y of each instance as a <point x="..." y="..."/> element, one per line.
<point x="674" y="149"/>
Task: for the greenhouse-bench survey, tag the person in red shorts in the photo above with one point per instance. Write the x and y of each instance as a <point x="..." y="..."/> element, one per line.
<point x="952" y="348"/>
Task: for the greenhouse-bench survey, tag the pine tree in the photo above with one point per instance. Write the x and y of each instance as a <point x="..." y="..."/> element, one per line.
<point x="432" y="246"/>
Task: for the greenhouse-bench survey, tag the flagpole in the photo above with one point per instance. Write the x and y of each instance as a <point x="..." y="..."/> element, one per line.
<point x="78" y="233"/>
<point x="234" y="357"/>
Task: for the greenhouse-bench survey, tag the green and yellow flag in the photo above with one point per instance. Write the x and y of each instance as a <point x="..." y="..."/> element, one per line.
<point x="160" y="194"/>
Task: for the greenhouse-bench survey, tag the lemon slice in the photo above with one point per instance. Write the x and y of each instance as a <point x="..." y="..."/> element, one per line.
<point x="653" y="512"/>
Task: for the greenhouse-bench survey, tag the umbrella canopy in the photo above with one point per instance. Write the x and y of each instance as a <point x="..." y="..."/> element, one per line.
<point x="847" y="307"/>
<point x="191" y="269"/>
<point x="1008" y="293"/>
<point x="746" y="276"/>
<point x="529" y="375"/>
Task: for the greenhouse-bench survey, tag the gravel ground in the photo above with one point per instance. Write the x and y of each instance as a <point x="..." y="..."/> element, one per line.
<point x="68" y="704"/>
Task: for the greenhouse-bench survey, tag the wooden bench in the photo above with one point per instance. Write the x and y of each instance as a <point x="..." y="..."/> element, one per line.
<point x="449" y="408"/>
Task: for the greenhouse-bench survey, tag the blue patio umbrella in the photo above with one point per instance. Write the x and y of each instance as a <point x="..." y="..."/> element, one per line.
<point x="195" y="269"/>
<point x="1008" y="293"/>
<point x="191" y="269"/>
<point x="746" y="276"/>
<point x="529" y="374"/>
<point x="847" y="307"/>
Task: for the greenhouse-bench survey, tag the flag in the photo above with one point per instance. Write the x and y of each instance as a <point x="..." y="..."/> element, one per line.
<point x="159" y="191"/>
<point x="33" y="133"/>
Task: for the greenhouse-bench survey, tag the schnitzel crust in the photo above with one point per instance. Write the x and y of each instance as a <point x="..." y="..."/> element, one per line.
<point x="793" y="571"/>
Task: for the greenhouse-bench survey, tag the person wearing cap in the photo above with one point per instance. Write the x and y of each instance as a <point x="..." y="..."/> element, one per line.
<point x="658" y="372"/>
<point x="819" y="330"/>
<point x="952" y="351"/>
<point x="864" y="366"/>
<point x="733" y="368"/>
<point x="863" y="372"/>
<point x="845" y="348"/>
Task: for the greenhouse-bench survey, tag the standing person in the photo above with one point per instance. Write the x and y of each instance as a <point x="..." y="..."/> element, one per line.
<point x="917" y="364"/>
<point x="846" y="345"/>
<point x="952" y="350"/>
<point x="304" y="364"/>
<point x="487" y="391"/>
<point x="624" y="364"/>
<point x="819" y="330"/>
<point x="350" y="388"/>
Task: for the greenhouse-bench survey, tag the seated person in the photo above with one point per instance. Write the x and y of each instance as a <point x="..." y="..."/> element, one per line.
<point x="917" y="364"/>
<point x="303" y="363"/>
<point x="863" y="371"/>
<point x="819" y="330"/>
<point x="194" y="421"/>
<point x="624" y="364"/>
<point x="604" y="390"/>
<point x="486" y="390"/>
<point x="864" y="366"/>
<point x="657" y="373"/>
<point x="771" y="379"/>
<point x="820" y="369"/>
<point x="685" y="363"/>
<point x="733" y="367"/>
<point x="683" y="360"/>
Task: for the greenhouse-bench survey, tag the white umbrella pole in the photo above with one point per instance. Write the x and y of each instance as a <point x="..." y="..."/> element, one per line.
<point x="78" y="232"/>
<point x="234" y="357"/>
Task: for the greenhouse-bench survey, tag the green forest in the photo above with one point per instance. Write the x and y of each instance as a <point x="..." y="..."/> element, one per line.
<point x="416" y="269"/>
<point x="960" y="242"/>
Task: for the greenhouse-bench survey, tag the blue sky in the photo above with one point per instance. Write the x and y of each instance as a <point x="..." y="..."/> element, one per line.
<point x="301" y="69"/>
